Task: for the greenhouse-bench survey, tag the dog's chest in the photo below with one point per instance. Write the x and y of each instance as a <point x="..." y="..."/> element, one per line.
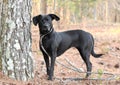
<point x="45" y="45"/>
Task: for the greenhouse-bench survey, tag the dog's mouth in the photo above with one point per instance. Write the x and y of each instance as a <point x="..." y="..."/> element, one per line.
<point x="45" y="29"/>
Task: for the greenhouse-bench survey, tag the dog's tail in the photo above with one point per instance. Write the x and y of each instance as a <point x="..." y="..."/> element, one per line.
<point x="96" y="55"/>
<point x="93" y="53"/>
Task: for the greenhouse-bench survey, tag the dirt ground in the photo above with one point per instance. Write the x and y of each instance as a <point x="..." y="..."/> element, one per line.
<point x="107" y="41"/>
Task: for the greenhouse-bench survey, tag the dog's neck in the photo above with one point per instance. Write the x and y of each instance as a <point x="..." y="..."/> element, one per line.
<point x="44" y="34"/>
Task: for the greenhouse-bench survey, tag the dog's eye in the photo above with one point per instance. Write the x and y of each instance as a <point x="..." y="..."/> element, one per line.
<point x="43" y="21"/>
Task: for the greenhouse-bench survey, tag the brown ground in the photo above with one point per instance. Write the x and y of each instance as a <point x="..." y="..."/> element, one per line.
<point x="107" y="41"/>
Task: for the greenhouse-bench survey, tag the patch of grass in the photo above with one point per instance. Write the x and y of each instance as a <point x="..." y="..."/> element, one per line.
<point x="114" y="31"/>
<point x="39" y="53"/>
<point x="100" y="73"/>
<point x="118" y="78"/>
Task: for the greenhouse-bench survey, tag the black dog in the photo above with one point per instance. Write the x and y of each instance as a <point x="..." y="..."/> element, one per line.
<point x="53" y="44"/>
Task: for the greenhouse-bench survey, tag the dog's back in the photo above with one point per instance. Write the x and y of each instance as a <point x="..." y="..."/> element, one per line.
<point x="72" y="38"/>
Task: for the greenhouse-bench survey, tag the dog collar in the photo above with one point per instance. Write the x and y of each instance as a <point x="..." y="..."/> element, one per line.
<point x="46" y="33"/>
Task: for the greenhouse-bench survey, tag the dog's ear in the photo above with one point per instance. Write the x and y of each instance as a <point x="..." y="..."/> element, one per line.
<point x="53" y="16"/>
<point x="36" y="19"/>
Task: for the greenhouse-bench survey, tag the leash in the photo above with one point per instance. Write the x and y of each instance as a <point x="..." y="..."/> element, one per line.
<point x="41" y="38"/>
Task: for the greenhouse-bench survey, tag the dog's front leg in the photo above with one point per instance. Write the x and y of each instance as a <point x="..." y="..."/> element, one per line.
<point x="46" y="59"/>
<point x="53" y="58"/>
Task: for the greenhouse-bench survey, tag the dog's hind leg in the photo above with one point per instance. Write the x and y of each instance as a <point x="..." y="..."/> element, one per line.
<point x="85" y="54"/>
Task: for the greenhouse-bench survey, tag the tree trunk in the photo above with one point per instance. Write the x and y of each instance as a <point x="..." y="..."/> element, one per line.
<point x="0" y="34"/>
<point x="15" y="39"/>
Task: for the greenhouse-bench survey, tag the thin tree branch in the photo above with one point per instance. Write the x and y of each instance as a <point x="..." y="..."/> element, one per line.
<point x="112" y="76"/>
<point x="73" y="65"/>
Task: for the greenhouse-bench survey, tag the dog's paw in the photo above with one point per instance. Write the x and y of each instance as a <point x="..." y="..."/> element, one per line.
<point x="50" y="78"/>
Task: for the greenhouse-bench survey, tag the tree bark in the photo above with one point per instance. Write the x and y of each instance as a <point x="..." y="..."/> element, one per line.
<point x="0" y="34"/>
<point x="15" y="39"/>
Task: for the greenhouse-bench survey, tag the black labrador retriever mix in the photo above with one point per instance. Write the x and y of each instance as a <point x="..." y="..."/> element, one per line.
<point x="53" y="44"/>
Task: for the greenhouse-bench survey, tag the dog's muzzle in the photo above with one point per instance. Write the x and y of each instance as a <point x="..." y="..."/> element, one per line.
<point x="45" y="29"/>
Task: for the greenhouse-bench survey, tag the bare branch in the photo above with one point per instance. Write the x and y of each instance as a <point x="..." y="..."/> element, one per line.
<point x="73" y="65"/>
<point x="111" y="75"/>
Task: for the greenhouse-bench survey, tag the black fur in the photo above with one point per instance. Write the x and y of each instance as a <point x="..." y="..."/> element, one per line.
<point x="56" y="43"/>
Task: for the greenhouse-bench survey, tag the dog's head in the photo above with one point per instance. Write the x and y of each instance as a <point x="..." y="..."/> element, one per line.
<point x="45" y="22"/>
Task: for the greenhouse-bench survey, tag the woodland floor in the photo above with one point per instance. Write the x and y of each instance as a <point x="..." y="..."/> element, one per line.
<point x="107" y="41"/>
